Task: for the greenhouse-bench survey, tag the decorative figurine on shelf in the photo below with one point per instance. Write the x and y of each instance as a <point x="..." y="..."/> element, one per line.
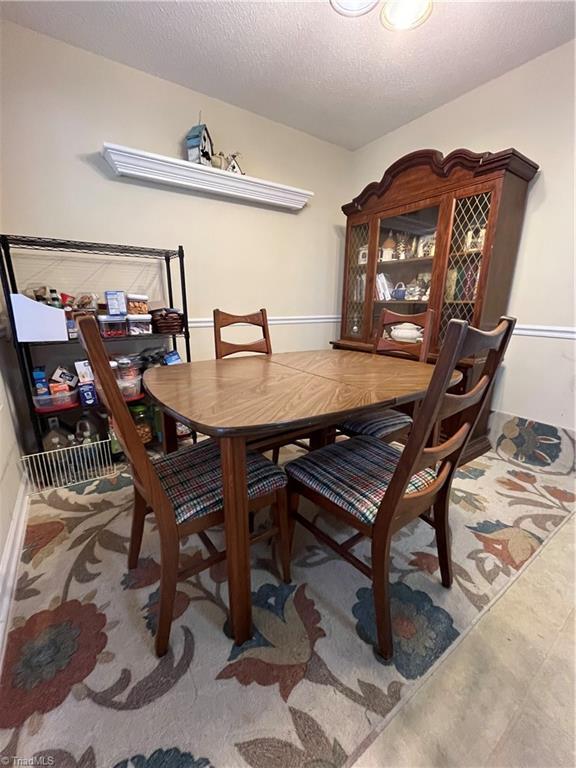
<point x="475" y="239"/>
<point x="233" y="164"/>
<point x="199" y="145"/>
<point x="426" y="246"/>
<point x="387" y="249"/>
<point x="402" y="246"/>
<point x="219" y="161"/>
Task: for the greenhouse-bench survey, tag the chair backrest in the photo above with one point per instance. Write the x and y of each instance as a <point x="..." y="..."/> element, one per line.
<point x="224" y="319"/>
<point x="384" y="343"/>
<point x="144" y="475"/>
<point x="461" y="341"/>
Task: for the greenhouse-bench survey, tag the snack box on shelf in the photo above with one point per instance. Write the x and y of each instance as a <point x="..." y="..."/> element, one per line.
<point x="136" y="304"/>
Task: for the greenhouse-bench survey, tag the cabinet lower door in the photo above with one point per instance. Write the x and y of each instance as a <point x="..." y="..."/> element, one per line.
<point x="465" y="256"/>
<point x="357" y="268"/>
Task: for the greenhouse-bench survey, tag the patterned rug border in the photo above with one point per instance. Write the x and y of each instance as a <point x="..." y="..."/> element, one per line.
<point x="378" y="730"/>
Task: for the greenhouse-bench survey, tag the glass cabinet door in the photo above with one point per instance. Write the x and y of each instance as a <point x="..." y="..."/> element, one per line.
<point x="464" y="259"/>
<point x="356" y="281"/>
<point x="406" y="251"/>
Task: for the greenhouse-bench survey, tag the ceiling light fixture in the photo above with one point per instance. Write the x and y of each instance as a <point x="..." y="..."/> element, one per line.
<point x="405" y="14"/>
<point x="353" y="7"/>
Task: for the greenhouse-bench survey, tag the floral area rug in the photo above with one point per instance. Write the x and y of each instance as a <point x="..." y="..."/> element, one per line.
<point x="82" y="688"/>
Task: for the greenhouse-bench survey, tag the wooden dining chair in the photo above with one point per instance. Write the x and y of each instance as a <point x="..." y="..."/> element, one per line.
<point x="225" y="348"/>
<point x="389" y="424"/>
<point x="378" y="489"/>
<point x="263" y="345"/>
<point x="183" y="490"/>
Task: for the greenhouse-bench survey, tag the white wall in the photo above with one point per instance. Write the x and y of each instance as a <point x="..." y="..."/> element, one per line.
<point x="530" y="108"/>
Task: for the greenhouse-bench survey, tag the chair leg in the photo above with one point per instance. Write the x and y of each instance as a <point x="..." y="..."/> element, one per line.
<point x="168" y="581"/>
<point x="138" y="518"/>
<point x="283" y="523"/>
<point x="293" y="503"/>
<point x="276" y="454"/>
<point x="381" y="591"/>
<point x="441" y="508"/>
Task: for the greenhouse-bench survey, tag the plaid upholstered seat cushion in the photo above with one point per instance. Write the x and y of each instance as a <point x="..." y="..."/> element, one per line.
<point x="192" y="479"/>
<point x="354" y="474"/>
<point x="376" y="423"/>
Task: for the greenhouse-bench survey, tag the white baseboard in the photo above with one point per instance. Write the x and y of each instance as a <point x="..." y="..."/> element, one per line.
<point x="9" y="560"/>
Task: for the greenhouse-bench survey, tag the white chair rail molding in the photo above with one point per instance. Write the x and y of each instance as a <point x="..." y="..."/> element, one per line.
<point x="161" y="169"/>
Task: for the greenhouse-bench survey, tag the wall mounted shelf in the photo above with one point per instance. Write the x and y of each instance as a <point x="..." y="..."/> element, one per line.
<point x="160" y="169"/>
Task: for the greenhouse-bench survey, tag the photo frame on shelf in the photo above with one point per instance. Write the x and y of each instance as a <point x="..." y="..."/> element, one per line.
<point x="363" y="255"/>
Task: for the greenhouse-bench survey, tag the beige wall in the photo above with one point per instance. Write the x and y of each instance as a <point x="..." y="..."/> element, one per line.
<point x="9" y="449"/>
<point x="60" y="104"/>
<point x="530" y="108"/>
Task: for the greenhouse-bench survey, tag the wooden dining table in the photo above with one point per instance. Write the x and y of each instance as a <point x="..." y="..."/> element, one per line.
<point x="241" y="400"/>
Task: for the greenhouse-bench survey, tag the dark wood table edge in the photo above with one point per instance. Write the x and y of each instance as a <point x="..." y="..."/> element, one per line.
<point x="257" y="431"/>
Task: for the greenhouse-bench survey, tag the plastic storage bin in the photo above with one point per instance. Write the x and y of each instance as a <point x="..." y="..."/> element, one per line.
<point x="112" y="326"/>
<point x="127" y="368"/>
<point x="130" y="388"/>
<point x="138" y="325"/>
<point x="137" y="303"/>
<point x="58" y="402"/>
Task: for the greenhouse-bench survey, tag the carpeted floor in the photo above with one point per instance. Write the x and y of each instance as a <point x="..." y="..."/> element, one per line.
<point x="81" y="686"/>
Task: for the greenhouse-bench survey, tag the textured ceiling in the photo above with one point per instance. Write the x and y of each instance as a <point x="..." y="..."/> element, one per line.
<point x="344" y="80"/>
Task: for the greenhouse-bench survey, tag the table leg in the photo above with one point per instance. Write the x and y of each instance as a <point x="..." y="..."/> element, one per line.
<point x="169" y="435"/>
<point x="233" y="458"/>
<point x="322" y="437"/>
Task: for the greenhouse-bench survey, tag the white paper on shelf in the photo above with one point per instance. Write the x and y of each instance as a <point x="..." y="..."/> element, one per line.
<point x="36" y="321"/>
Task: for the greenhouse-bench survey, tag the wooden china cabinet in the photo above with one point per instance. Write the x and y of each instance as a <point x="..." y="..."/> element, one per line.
<point x="438" y="232"/>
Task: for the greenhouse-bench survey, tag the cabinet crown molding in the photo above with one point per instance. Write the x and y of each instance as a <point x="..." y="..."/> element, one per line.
<point x="478" y="163"/>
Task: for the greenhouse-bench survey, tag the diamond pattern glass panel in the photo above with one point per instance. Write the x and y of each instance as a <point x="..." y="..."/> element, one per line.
<point x="357" y="266"/>
<point x="465" y="259"/>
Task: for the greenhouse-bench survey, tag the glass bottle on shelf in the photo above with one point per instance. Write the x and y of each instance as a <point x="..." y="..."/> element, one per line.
<point x="86" y="430"/>
<point x="115" y="447"/>
<point x="56" y="437"/>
